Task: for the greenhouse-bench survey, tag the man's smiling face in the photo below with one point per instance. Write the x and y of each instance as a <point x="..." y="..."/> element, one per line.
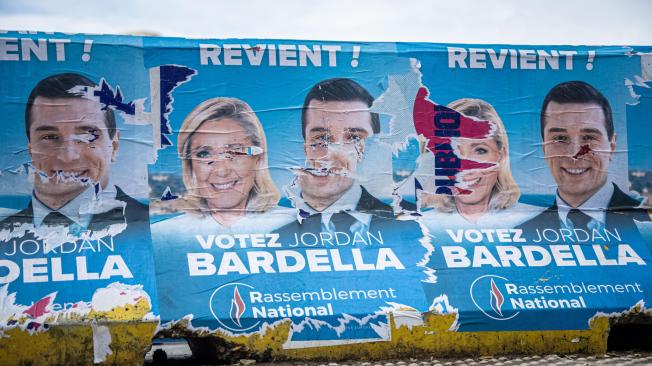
<point x="577" y="149"/>
<point x="335" y="142"/>
<point x="70" y="144"/>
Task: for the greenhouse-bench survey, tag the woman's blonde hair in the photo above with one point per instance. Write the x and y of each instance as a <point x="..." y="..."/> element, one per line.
<point x="264" y="194"/>
<point x="506" y="192"/>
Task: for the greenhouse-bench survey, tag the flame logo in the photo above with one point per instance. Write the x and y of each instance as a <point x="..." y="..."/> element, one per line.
<point x="491" y="307"/>
<point x="497" y="298"/>
<point x="237" y="307"/>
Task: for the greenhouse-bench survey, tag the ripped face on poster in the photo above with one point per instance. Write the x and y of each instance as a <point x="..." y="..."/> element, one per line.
<point x="224" y="161"/>
<point x="472" y="173"/>
<point x="335" y="133"/>
<point x="335" y="140"/>
<point x="578" y="140"/>
<point x="488" y="184"/>
<point x="72" y="142"/>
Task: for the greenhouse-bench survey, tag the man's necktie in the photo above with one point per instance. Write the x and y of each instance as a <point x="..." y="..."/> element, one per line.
<point x="342" y="222"/>
<point x="310" y="224"/>
<point x="579" y="219"/>
<point x="56" y="218"/>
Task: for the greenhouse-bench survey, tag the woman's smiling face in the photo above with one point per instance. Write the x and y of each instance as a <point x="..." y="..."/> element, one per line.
<point x="481" y="182"/>
<point x="223" y="175"/>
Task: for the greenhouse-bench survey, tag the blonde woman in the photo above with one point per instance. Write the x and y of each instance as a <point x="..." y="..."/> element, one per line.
<point x="494" y="198"/>
<point x="223" y="152"/>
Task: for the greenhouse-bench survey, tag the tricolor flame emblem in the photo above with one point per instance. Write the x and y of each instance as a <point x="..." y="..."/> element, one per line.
<point x="237" y="307"/>
<point x="497" y="299"/>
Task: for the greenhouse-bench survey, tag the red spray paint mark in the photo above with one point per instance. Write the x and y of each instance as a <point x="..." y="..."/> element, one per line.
<point x="40" y="307"/>
<point x="440" y="125"/>
<point x="585" y="149"/>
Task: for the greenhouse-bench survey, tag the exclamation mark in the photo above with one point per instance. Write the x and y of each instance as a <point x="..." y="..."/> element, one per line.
<point x="88" y="44"/>
<point x="589" y="64"/>
<point x="356" y="55"/>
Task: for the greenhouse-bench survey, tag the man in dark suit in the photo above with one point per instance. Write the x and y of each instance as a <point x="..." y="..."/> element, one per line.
<point x="578" y="144"/>
<point x="73" y="142"/>
<point x="336" y="122"/>
<point x="343" y="217"/>
<point x="123" y="210"/>
<point x="77" y="226"/>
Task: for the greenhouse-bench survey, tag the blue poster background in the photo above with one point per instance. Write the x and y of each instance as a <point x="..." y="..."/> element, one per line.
<point x="180" y="265"/>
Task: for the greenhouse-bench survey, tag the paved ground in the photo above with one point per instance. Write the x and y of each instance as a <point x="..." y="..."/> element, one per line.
<point x="611" y="358"/>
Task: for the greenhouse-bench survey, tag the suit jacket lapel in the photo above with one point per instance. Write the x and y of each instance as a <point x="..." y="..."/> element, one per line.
<point x="114" y="216"/>
<point x="623" y="209"/>
<point x="25" y="216"/>
<point x="621" y="201"/>
<point x="372" y="205"/>
<point x="312" y="223"/>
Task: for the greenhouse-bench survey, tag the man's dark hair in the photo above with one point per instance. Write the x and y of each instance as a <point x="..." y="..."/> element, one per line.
<point x="339" y="90"/>
<point x="578" y="92"/>
<point x="58" y="86"/>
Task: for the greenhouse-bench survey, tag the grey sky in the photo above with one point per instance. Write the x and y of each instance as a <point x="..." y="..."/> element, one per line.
<point x="465" y="21"/>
